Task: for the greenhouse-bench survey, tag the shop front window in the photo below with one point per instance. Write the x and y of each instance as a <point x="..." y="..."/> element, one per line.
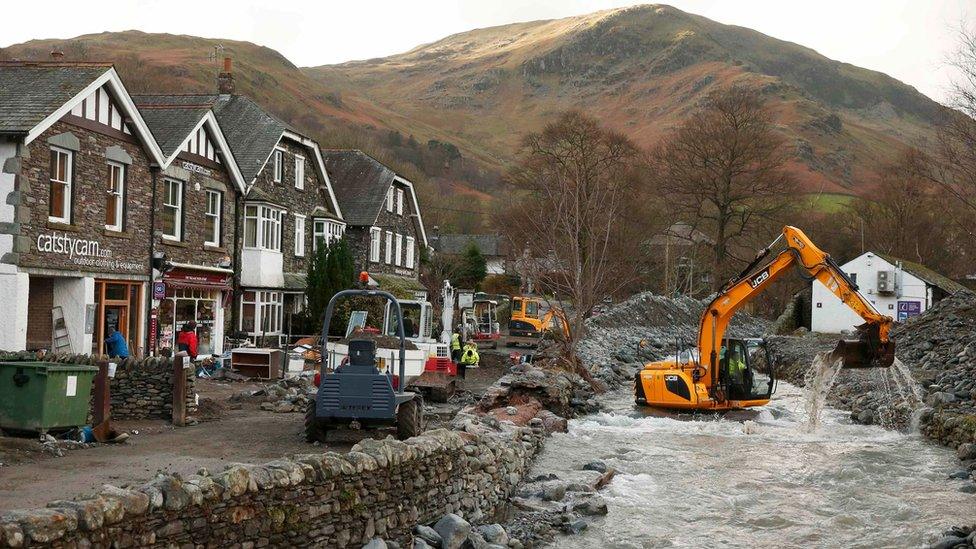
<point x="183" y="305"/>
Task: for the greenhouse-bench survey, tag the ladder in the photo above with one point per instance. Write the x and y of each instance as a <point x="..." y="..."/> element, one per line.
<point x="62" y="343"/>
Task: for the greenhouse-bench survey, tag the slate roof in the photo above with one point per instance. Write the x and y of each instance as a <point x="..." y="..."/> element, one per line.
<point x="29" y="92"/>
<point x="171" y="118"/>
<point x="360" y="183"/>
<point x="454" y="244"/>
<point x="295" y="281"/>
<point x="251" y="132"/>
<point x="928" y="275"/>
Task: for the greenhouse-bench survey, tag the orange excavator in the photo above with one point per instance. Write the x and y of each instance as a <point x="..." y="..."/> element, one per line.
<point x="724" y="373"/>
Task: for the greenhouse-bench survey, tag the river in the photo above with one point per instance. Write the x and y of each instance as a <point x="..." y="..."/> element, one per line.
<point x="759" y="479"/>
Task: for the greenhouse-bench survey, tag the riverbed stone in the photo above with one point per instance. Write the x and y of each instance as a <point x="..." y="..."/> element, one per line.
<point x="966" y="451"/>
<point x="453" y="531"/>
<point x="494" y="533"/>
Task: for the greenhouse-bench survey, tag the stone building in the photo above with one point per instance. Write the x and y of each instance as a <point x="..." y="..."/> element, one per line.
<point x="198" y="208"/>
<point x="384" y="226"/>
<point x="492" y="247"/>
<point x="77" y="168"/>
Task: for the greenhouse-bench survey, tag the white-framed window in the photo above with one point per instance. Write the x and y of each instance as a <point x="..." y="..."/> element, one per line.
<point x="299" y="172"/>
<point x="374" y="244"/>
<point x="59" y="206"/>
<point x="278" y="158"/>
<point x="389" y="247"/>
<point x="399" y="250"/>
<point x="299" y="235"/>
<point x="114" y="196"/>
<point x="214" y="217"/>
<point x="399" y="205"/>
<point x="262" y="227"/>
<point x="325" y="230"/>
<point x="389" y="199"/>
<point x="261" y="312"/>
<point x="172" y="209"/>
<point x="408" y="263"/>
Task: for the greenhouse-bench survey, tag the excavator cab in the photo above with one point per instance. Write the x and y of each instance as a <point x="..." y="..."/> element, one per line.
<point x="745" y="370"/>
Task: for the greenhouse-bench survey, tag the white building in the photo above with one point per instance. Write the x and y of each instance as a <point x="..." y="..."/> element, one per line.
<point x="897" y="288"/>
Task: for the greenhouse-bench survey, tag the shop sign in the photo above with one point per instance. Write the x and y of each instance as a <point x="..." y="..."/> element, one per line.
<point x="159" y="290"/>
<point x="191" y="167"/>
<point x="82" y="252"/>
<point x="217" y="280"/>
<point x="908" y="309"/>
<point x="403" y="272"/>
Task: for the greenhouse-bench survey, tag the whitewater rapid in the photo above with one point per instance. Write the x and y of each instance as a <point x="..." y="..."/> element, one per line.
<point x="759" y="479"/>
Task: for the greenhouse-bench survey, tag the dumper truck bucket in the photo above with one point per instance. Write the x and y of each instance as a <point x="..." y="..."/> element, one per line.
<point x="867" y="351"/>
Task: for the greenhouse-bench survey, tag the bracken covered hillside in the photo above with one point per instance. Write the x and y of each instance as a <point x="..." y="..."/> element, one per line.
<point x="641" y="70"/>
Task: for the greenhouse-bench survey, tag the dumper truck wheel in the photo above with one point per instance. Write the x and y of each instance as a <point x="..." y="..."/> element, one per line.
<point x="410" y="418"/>
<point x="315" y="428"/>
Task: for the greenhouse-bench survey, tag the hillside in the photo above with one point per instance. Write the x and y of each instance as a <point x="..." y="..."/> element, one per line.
<point x="641" y="70"/>
<point x="450" y="114"/>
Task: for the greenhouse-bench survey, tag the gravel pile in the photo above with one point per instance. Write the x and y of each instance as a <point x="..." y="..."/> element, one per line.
<point x="287" y="395"/>
<point x="611" y="348"/>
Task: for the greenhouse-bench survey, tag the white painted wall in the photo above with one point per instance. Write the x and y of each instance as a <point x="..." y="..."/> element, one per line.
<point x="261" y="269"/>
<point x="14" y="288"/>
<point x="830" y="315"/>
<point x="73" y="295"/>
<point x="8" y="149"/>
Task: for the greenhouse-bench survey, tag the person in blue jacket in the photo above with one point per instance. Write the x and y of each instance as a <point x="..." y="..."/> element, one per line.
<point x="115" y="344"/>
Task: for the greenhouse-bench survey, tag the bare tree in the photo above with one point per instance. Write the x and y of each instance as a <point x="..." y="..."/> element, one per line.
<point x="571" y="223"/>
<point x="955" y="152"/>
<point x="724" y="171"/>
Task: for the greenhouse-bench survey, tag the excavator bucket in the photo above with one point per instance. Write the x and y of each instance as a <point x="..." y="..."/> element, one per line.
<point x="867" y="351"/>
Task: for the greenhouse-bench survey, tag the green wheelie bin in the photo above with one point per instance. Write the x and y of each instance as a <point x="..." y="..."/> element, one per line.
<point x="44" y="396"/>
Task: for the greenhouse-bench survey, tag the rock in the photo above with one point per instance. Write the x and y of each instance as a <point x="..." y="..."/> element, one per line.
<point x="592" y="505"/>
<point x="284" y="407"/>
<point x="961" y="474"/>
<point x="575" y="527"/>
<point x="375" y="543"/>
<point x="948" y="542"/>
<point x="494" y="533"/>
<point x="966" y="451"/>
<point x="968" y="488"/>
<point x="453" y="531"/>
<point x="475" y="541"/>
<point x="511" y="410"/>
<point x="554" y="491"/>
<point x="596" y="465"/>
<point x="419" y="543"/>
<point x="428" y="534"/>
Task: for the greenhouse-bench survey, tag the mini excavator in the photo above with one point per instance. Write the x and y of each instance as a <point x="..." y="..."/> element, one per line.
<point x="724" y="373"/>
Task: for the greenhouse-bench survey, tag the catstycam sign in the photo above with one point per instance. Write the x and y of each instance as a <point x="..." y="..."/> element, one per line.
<point x="82" y="251"/>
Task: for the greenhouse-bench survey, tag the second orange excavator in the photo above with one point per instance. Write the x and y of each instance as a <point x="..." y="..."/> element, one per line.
<point x="723" y="373"/>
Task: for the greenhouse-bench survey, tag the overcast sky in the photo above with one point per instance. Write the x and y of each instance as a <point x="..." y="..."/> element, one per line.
<point x="908" y="39"/>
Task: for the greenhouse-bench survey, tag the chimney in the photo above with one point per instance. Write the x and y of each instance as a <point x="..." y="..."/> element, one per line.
<point x="57" y="54"/>
<point x="225" y="80"/>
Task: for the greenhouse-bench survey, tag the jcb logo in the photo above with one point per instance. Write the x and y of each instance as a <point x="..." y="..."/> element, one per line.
<point x="759" y="278"/>
<point x="671" y="378"/>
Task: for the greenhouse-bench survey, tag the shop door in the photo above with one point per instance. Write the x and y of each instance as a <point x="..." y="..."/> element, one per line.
<point x="116" y="316"/>
<point x="118" y="305"/>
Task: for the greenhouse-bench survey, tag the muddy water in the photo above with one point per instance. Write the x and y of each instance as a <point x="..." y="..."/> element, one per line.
<point x="760" y="479"/>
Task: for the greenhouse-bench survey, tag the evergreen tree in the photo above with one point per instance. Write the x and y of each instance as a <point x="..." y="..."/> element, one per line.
<point x="473" y="267"/>
<point x="330" y="271"/>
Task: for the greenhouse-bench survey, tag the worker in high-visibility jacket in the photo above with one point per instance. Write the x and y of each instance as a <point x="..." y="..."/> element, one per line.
<point x="456" y="345"/>
<point x="469" y="358"/>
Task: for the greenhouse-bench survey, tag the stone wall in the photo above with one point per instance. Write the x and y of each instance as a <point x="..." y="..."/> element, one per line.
<point x="380" y="488"/>
<point x="141" y="388"/>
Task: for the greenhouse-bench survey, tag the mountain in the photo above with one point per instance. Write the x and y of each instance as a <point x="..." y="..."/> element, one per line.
<point x="450" y="114"/>
<point x="640" y="70"/>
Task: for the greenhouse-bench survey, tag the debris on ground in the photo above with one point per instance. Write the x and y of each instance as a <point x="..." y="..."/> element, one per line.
<point x="612" y="347"/>
<point x="288" y="395"/>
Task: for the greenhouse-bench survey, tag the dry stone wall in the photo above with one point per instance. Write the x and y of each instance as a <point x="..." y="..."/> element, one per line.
<point x="380" y="488"/>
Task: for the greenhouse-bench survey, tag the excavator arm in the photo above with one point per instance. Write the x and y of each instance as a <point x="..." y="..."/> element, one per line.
<point x="873" y="347"/>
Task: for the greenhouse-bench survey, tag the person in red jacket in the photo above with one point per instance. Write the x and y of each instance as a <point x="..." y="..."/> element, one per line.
<point x="187" y="340"/>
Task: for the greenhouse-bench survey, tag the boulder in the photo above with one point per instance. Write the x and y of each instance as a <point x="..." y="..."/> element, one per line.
<point x="596" y="465"/>
<point x="453" y="530"/>
<point x="494" y="533"/>
<point x="966" y="451"/>
<point x="428" y="534"/>
<point x="375" y="543"/>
